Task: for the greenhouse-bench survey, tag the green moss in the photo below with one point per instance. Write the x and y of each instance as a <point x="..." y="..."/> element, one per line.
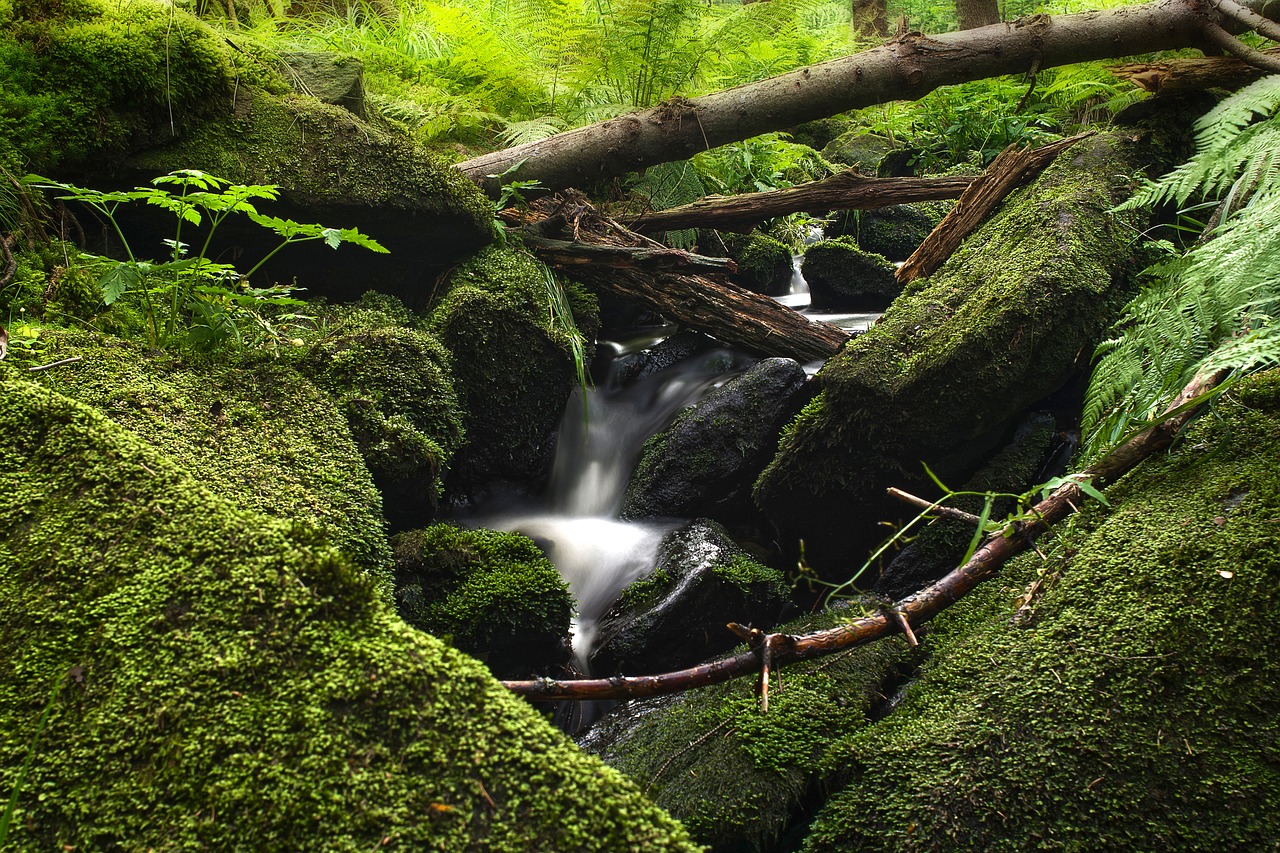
<point x="749" y="576"/>
<point x="394" y="385"/>
<point x="998" y="327"/>
<point x="494" y="594"/>
<point x="1136" y="710"/>
<point x="843" y="275"/>
<point x="85" y="81"/>
<point x="513" y="375"/>
<point x="237" y="685"/>
<point x="256" y="433"/>
<point x="737" y="778"/>
<point x="764" y="264"/>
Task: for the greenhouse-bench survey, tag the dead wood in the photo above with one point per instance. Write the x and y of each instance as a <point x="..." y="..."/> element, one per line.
<point x="912" y="610"/>
<point x="1205" y="72"/>
<point x="571" y="235"/>
<point x="848" y="190"/>
<point x="1010" y="170"/>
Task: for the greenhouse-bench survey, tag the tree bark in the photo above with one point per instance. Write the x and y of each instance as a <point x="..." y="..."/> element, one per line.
<point x="910" y="611"/>
<point x="693" y="291"/>
<point x="972" y="14"/>
<point x="1010" y="170"/>
<point x="905" y="69"/>
<point x="1209" y="72"/>
<point x="848" y="190"/>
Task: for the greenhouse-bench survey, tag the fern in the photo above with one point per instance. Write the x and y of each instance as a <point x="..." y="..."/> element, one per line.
<point x="1217" y="305"/>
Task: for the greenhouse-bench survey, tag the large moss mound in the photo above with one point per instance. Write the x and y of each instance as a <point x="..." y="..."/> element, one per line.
<point x="256" y="433"/>
<point x="955" y="358"/>
<point x="234" y="684"/>
<point x="1135" y="709"/>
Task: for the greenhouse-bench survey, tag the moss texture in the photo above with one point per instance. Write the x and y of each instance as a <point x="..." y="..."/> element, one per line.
<point x="235" y="684"/>
<point x="495" y="595"/>
<point x="958" y="354"/>
<point x="256" y="433"/>
<point x="843" y="276"/>
<point x="394" y="384"/>
<point x="1136" y="710"/>
<point x="738" y="778"/>
<point x="764" y="264"/>
<point x="513" y="374"/>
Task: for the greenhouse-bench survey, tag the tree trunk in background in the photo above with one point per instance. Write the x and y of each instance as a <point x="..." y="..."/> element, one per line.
<point x="977" y="13"/>
<point x="905" y="69"/>
<point x="870" y="19"/>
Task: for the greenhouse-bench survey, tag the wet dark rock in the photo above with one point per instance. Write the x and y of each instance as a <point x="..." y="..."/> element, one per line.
<point x="705" y="462"/>
<point x="672" y="351"/>
<point x="675" y="617"/>
<point x="843" y="277"/>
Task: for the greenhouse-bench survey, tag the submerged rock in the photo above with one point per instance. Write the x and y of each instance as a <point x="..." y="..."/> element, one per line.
<point x="494" y="595"/>
<point x="676" y="616"/>
<point x="843" y="277"/>
<point x="705" y="462"/>
<point x="186" y="673"/>
<point x="955" y="358"/>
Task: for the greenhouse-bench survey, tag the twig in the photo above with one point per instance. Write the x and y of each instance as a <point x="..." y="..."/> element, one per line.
<point x="935" y="507"/>
<point x="1031" y="85"/>
<point x="1262" y="26"/>
<point x="766" y="658"/>
<point x="918" y="607"/>
<point x="58" y="363"/>
<point x="1219" y="37"/>
<point x="905" y="625"/>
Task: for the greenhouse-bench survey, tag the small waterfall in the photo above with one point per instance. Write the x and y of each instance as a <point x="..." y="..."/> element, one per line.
<point x="596" y="554"/>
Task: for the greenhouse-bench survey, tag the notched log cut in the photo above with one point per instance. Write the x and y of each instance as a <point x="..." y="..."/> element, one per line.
<point x="914" y="609"/>
<point x="847" y="190"/>
<point x="570" y="235"/>
<point x="1010" y="170"/>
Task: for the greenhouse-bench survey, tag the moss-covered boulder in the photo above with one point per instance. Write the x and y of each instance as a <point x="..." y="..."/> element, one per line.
<point x="394" y="384"/>
<point x="493" y="595"/>
<point x="764" y="264"/>
<point x="229" y="682"/>
<point x="894" y="232"/>
<point x="112" y="95"/>
<point x="958" y="355"/>
<point x="741" y="780"/>
<point x="1131" y="705"/>
<point x="858" y="148"/>
<point x="675" y="616"/>
<point x="844" y="277"/>
<point x="331" y="78"/>
<point x="703" y="465"/>
<point x="256" y="433"/>
<point x="512" y="369"/>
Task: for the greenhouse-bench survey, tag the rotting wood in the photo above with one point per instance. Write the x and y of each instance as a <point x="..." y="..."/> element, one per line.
<point x="702" y="298"/>
<point x="907" y="68"/>
<point x="847" y="190"/>
<point x="1012" y="168"/>
<point x="914" y="609"/>
<point x="568" y="253"/>
<point x="1202" y="72"/>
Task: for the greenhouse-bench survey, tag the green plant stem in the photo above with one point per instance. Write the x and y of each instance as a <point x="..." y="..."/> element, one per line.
<point x="7" y="818"/>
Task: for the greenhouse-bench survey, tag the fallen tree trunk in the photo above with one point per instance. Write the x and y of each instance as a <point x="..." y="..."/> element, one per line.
<point x="905" y="69"/>
<point x="1010" y="170"/>
<point x="698" y="296"/>
<point x="1207" y="72"/>
<point x="848" y="190"/>
<point x="779" y="649"/>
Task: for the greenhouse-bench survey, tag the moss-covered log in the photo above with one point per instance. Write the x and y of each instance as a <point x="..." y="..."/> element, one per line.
<point x="233" y="683"/>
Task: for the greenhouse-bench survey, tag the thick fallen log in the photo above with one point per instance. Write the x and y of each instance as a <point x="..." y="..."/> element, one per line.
<point x="848" y="190"/>
<point x="701" y="298"/>
<point x="780" y="649"/>
<point x="906" y="68"/>
<point x="1010" y="170"/>
<point x="1207" y="72"/>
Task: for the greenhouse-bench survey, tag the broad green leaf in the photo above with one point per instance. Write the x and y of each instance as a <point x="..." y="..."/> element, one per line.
<point x="118" y="281"/>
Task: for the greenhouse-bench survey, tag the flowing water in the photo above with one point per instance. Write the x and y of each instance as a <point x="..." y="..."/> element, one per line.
<point x="577" y="526"/>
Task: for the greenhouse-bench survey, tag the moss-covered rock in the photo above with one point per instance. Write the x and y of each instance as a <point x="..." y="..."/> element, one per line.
<point x="394" y="385"/>
<point x="111" y="95"/>
<point x="858" y="148"/>
<point x="764" y="264"/>
<point x="512" y="372"/>
<point x="938" y="378"/>
<point x="256" y="433"/>
<point x="234" y="684"/>
<point x="494" y="595"/>
<point x="331" y="78"/>
<point x="737" y="778"/>
<point x="894" y="232"/>
<point x="675" y="616"/>
<point x="844" y="277"/>
<point x="1136" y="709"/>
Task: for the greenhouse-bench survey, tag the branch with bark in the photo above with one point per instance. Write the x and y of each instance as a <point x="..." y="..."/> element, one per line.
<point x="1205" y="72"/>
<point x="906" y="68"/>
<point x="848" y="190"/>
<point x="780" y="649"/>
